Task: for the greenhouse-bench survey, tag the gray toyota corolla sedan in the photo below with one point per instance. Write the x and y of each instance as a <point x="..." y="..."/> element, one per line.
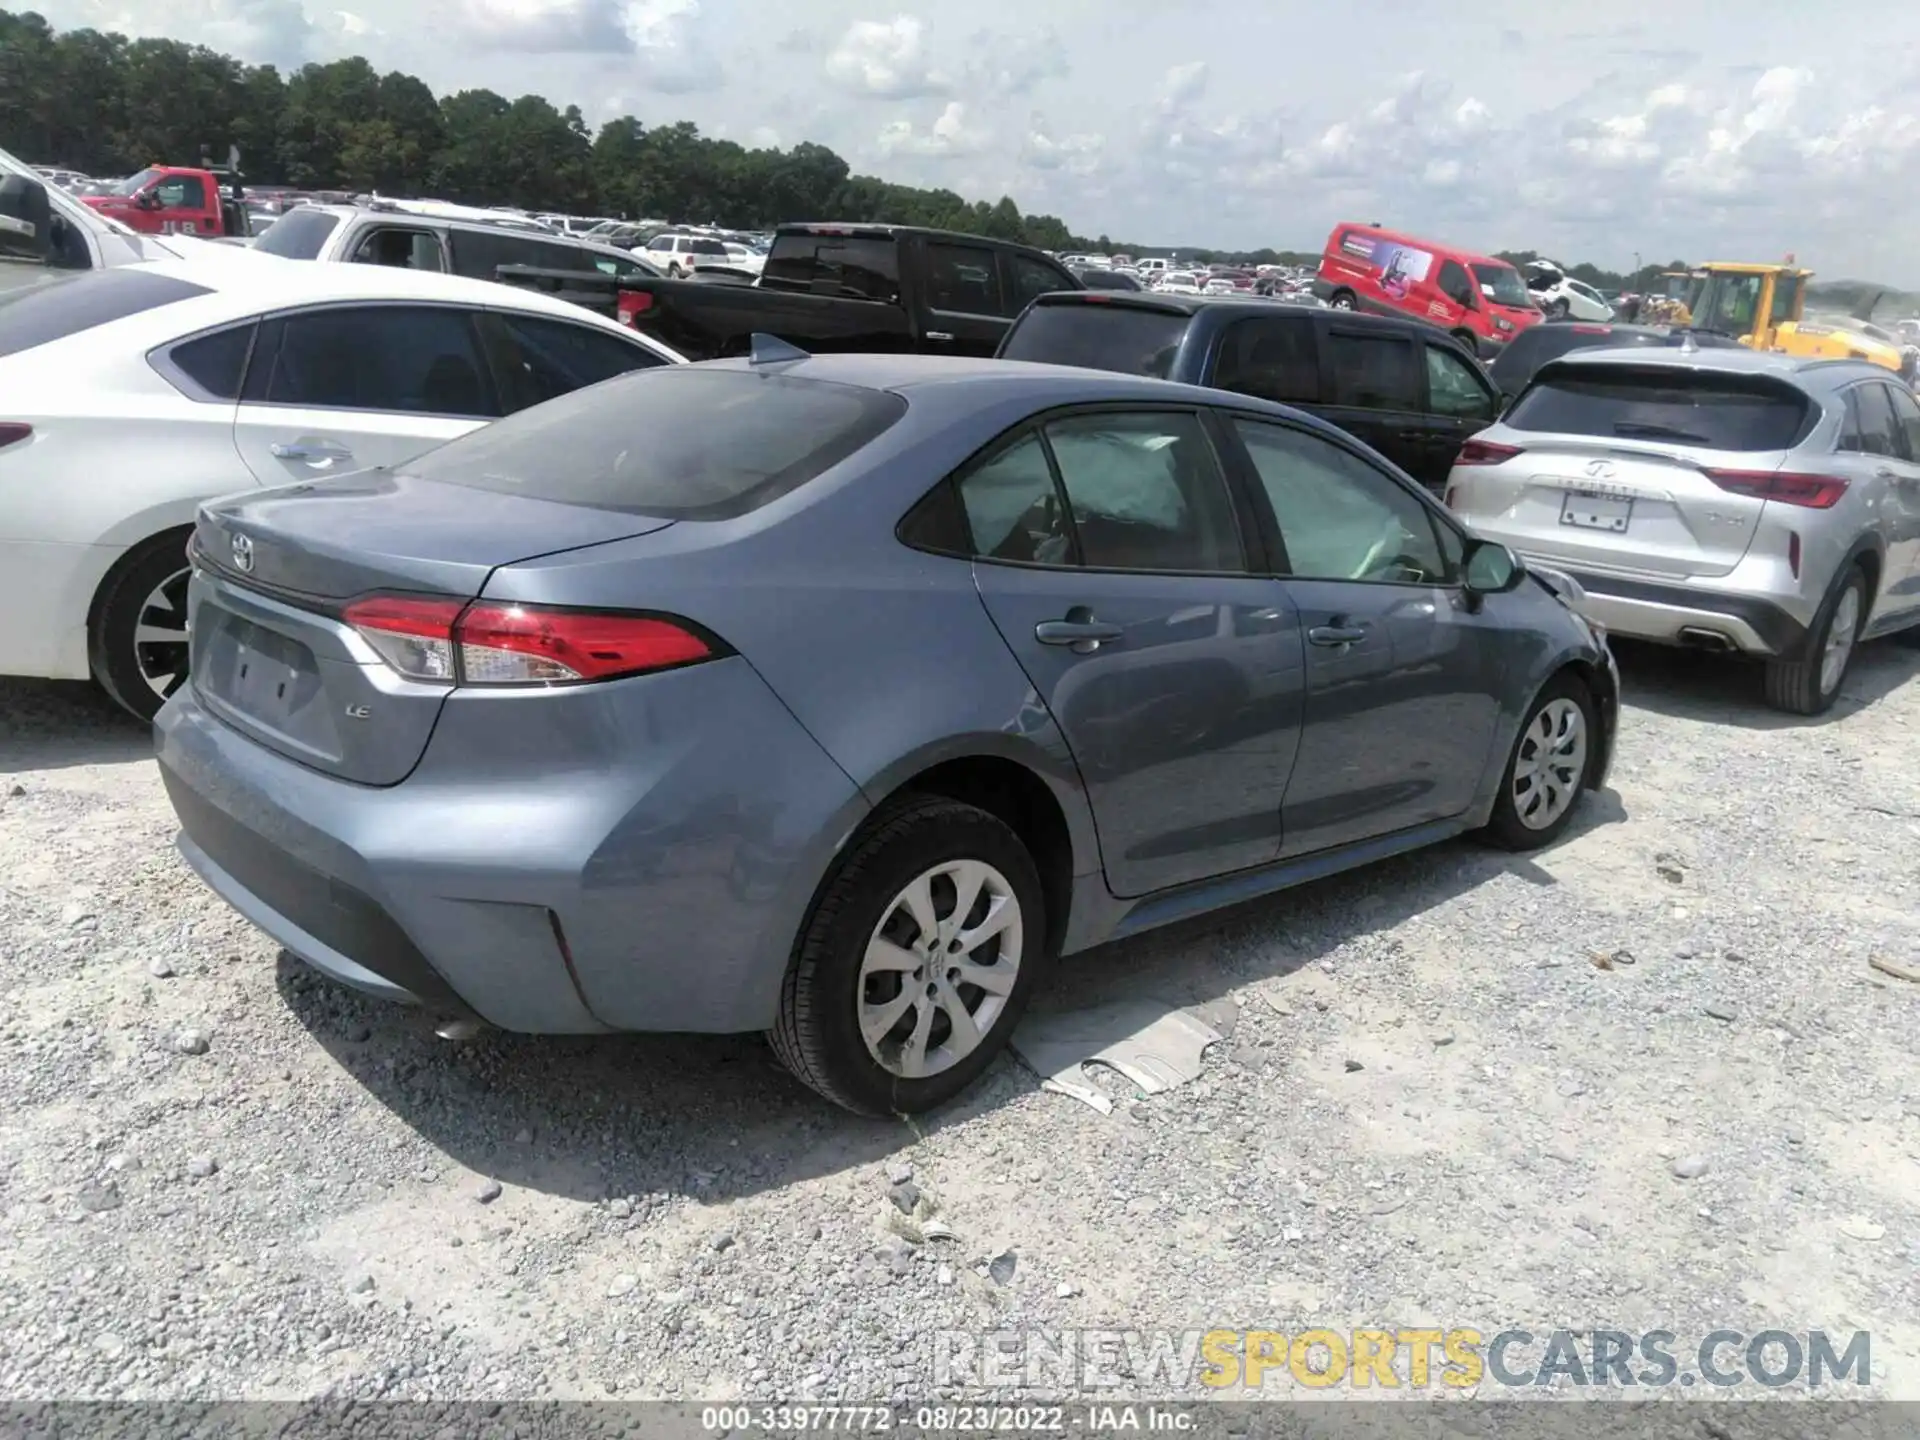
<point x="836" y="696"/>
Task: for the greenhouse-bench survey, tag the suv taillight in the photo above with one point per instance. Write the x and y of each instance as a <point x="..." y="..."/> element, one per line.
<point x="455" y="642"/>
<point x="1486" y="452"/>
<point x="632" y="304"/>
<point x="1811" y="492"/>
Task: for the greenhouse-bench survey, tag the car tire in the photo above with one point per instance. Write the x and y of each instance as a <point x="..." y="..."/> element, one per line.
<point x="147" y="588"/>
<point x="1468" y="339"/>
<point x="1558" y="309"/>
<point x="818" y="1034"/>
<point x="1807" y="686"/>
<point x="1340" y="300"/>
<point x="1546" y="772"/>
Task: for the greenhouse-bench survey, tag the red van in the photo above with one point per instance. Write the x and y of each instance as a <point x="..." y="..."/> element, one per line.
<point x="1482" y="301"/>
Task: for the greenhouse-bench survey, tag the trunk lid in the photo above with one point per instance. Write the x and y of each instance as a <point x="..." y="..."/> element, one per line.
<point x="271" y="655"/>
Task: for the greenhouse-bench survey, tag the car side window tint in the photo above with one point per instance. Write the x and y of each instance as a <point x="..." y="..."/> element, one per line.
<point x="1373" y="372"/>
<point x="402" y="249"/>
<point x="1273" y="359"/>
<point x="1013" y="510"/>
<point x="1878" y="435"/>
<point x="181" y="192"/>
<point x="215" y="362"/>
<point x="962" y="278"/>
<point x="1454" y="389"/>
<point x="415" y="359"/>
<point x="1032" y="278"/>
<point x="1454" y="282"/>
<point x="1906" y="410"/>
<point x="1339" y="517"/>
<point x="1850" y="441"/>
<point x="551" y="358"/>
<point x="1146" y="493"/>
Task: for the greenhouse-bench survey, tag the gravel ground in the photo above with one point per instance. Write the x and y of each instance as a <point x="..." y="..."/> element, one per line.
<point x="222" y="1177"/>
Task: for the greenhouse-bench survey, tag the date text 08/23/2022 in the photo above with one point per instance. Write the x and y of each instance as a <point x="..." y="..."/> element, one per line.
<point x="949" y="1419"/>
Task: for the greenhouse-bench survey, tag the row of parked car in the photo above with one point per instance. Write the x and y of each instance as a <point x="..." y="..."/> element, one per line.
<point x="531" y="674"/>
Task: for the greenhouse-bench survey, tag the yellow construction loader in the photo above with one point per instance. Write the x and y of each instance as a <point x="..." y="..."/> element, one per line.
<point x="1762" y="306"/>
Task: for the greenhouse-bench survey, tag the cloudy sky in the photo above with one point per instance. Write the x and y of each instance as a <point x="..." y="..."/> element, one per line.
<point x="1586" y="131"/>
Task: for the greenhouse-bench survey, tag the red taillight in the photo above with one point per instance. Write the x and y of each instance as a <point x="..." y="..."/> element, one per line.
<point x="632" y="304"/>
<point x="527" y="645"/>
<point x="1811" y="492"/>
<point x="450" y="642"/>
<point x="1485" y="452"/>
<point x="1592" y="329"/>
<point x="10" y="431"/>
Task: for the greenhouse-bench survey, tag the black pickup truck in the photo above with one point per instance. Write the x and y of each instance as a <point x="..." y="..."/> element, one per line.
<point x="1410" y="391"/>
<point x="889" y="288"/>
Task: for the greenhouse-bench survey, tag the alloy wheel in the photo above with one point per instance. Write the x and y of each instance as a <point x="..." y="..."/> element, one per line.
<point x="1840" y="637"/>
<point x="939" y="968"/>
<point x="160" y="636"/>
<point x="1551" y="763"/>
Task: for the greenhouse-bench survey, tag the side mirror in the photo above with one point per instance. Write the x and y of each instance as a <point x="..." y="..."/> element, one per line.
<point x="1492" y="569"/>
<point x="26" y="219"/>
<point x="147" y="200"/>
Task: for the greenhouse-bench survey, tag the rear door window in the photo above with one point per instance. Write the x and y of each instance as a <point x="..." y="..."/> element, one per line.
<point x="1126" y="339"/>
<point x="964" y="279"/>
<point x="1879" y="432"/>
<point x="851" y="266"/>
<point x="1454" y="388"/>
<point x="1273" y="359"/>
<point x="411" y="359"/>
<point x="1906" y="411"/>
<point x="402" y="249"/>
<point x="480" y="253"/>
<point x="1373" y="372"/>
<point x="69" y="304"/>
<point x="300" y="234"/>
<point x="679" y="442"/>
<point x="1716" y="412"/>
<point x="1146" y="493"/>
<point x="546" y="359"/>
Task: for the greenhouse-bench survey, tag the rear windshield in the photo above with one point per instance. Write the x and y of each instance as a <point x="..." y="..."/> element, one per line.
<point x="299" y="234"/>
<point x="677" y="442"/>
<point x="41" y="314"/>
<point x="1129" y="339"/>
<point x="1716" y="412"/>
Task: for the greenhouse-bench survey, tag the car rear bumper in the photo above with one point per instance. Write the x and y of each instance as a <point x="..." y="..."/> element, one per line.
<point x="1685" y="615"/>
<point x="629" y="856"/>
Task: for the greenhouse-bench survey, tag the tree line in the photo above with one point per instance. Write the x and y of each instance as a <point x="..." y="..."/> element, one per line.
<point x="107" y="105"/>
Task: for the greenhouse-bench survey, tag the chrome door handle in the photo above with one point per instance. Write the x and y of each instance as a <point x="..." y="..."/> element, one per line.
<point x="1336" y="636"/>
<point x="940" y="335"/>
<point x="311" y="454"/>
<point x="1082" y="636"/>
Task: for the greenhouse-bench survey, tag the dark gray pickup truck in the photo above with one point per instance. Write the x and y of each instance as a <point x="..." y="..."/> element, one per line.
<point x="888" y="288"/>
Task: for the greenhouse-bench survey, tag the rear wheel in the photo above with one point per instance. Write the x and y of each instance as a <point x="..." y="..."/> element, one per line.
<point x="1468" y="339"/>
<point x="1340" y="300"/>
<point x="1810" y="685"/>
<point x="916" y="962"/>
<point x="137" y="643"/>
<point x="1547" y="771"/>
<point x="1557" y="309"/>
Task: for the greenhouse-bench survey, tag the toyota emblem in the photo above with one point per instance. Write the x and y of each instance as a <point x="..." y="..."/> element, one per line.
<point x="1598" y="470"/>
<point x="242" y="554"/>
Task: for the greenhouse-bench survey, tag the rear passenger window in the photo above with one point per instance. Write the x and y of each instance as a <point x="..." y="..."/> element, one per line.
<point x="414" y="359"/>
<point x="1906" y="411"/>
<point x="1272" y="359"/>
<point x="1879" y="435"/>
<point x="1373" y="372"/>
<point x="1013" y="511"/>
<point x="402" y="249"/>
<point x="963" y="278"/>
<point x="1453" y="388"/>
<point x="215" y="363"/>
<point x="551" y="358"/>
<point x="1146" y="493"/>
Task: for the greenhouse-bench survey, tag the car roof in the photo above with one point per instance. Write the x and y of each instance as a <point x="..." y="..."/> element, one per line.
<point x="987" y="381"/>
<point x="1235" y="306"/>
<point x="1732" y="360"/>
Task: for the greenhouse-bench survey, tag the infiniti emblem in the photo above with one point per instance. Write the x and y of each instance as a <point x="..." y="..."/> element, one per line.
<point x="1599" y="469"/>
<point x="242" y="554"/>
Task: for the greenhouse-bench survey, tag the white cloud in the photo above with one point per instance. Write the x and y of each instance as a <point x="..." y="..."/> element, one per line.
<point x="1073" y="154"/>
<point x="886" y="60"/>
<point x="952" y="134"/>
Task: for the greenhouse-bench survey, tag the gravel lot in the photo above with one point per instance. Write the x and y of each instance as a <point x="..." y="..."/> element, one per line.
<point x="223" y="1177"/>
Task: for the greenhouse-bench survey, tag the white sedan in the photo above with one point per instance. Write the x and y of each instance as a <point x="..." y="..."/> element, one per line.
<point x="130" y="395"/>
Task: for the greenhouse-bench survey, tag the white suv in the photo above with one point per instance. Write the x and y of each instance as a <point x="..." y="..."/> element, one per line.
<point x="680" y="255"/>
<point x="1726" y="499"/>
